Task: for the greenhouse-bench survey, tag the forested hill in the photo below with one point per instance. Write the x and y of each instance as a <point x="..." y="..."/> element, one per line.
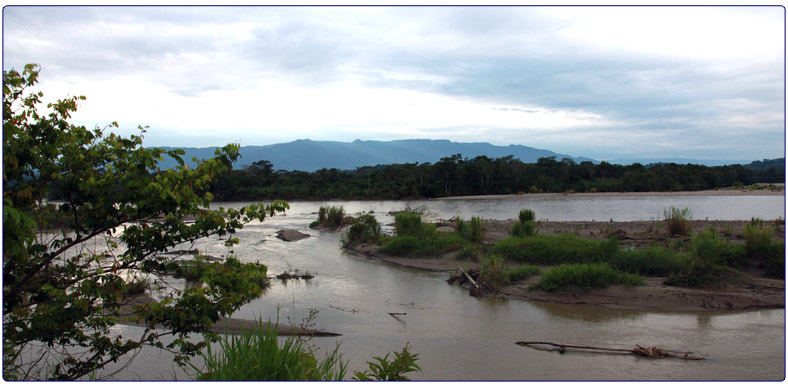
<point x="459" y="176"/>
<point x="309" y="155"/>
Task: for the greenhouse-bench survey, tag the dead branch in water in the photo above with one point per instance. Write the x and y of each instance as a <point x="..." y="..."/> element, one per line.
<point x="653" y="352"/>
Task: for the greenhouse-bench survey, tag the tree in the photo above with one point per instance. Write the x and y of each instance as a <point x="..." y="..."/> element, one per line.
<point x="62" y="297"/>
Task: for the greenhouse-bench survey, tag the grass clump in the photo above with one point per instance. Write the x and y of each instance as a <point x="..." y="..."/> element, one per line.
<point x="416" y="238"/>
<point x="364" y="228"/>
<point x="331" y="216"/>
<point x="706" y="264"/>
<point x="585" y="276"/>
<point x="760" y="248"/>
<point x="493" y="271"/>
<point x="526" y="226"/>
<point x="472" y="230"/>
<point x="526" y="215"/>
<point x="523" y="272"/>
<point x="652" y="261"/>
<point x="257" y="355"/>
<point x="526" y="229"/>
<point x="678" y="221"/>
<point x="554" y="250"/>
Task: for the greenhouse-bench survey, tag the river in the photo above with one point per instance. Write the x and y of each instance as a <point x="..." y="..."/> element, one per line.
<point x="459" y="337"/>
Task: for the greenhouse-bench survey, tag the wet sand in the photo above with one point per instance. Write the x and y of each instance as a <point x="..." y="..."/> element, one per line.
<point x="753" y="292"/>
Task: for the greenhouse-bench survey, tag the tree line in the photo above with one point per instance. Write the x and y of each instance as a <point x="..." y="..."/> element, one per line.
<point x="460" y="176"/>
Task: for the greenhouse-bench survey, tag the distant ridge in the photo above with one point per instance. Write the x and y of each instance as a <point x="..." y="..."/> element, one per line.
<point x="308" y="155"/>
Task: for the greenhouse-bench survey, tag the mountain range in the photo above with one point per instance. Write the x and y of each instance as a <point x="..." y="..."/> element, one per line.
<point x="310" y="155"/>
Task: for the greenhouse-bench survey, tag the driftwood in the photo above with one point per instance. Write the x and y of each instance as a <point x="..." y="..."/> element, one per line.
<point x="469" y="278"/>
<point x="653" y="352"/>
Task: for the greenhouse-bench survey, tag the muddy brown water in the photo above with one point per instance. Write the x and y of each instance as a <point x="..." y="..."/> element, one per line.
<point x="459" y="337"/>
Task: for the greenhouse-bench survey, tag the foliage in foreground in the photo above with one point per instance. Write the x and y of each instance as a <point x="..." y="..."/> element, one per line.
<point x="585" y="276"/>
<point x="257" y="355"/>
<point x="63" y="295"/>
<point x="384" y="370"/>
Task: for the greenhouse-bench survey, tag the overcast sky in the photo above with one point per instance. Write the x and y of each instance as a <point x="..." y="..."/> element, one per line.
<point x="602" y="82"/>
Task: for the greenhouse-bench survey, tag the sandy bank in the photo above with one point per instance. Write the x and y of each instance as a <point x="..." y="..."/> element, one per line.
<point x="231" y="326"/>
<point x="754" y="292"/>
<point x="719" y="192"/>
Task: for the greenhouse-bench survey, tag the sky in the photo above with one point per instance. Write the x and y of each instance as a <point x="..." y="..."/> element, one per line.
<point x="608" y="82"/>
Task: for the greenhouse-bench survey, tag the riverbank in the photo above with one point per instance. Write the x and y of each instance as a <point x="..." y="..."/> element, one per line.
<point x="752" y="292"/>
<point x="713" y="192"/>
<point x="230" y="326"/>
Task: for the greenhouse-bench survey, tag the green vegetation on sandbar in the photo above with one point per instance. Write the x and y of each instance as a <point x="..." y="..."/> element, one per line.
<point x="331" y="216"/>
<point x="417" y="238"/>
<point x="585" y="276"/>
<point x="702" y="260"/>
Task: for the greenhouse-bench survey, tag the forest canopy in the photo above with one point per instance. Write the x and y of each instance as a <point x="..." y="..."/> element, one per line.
<point x="459" y="176"/>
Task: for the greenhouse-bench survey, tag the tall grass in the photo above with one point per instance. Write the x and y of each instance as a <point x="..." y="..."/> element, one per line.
<point x="257" y="355"/>
<point x="331" y="216"/>
<point x="706" y="264"/>
<point x="525" y="229"/>
<point x="410" y="224"/>
<point x="652" y="261"/>
<point x="493" y="271"/>
<point x="585" y="276"/>
<point x="678" y="221"/>
<point x="760" y="248"/>
<point x="553" y="250"/>
<point x="472" y="230"/>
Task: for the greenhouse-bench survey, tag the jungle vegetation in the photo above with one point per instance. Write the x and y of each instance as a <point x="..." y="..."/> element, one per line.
<point x="458" y="176"/>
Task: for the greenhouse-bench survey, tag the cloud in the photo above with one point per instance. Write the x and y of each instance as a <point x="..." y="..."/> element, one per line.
<point x="601" y="80"/>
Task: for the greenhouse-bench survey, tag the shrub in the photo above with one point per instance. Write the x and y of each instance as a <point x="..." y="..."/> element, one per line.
<point x="364" y="228"/>
<point x="493" y="271"/>
<point x="705" y="266"/>
<point x="408" y="224"/>
<point x="678" y="221"/>
<point x="757" y="239"/>
<point x="472" y="231"/>
<point x="526" y="215"/>
<point x="520" y="229"/>
<point x="331" y="216"/>
<point x="585" y="276"/>
<point x="256" y="355"/>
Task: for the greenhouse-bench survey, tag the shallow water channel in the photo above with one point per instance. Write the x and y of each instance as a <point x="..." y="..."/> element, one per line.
<point x="459" y="337"/>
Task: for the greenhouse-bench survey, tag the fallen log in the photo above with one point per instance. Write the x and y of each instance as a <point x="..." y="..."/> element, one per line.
<point x="467" y="276"/>
<point x="653" y="352"/>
